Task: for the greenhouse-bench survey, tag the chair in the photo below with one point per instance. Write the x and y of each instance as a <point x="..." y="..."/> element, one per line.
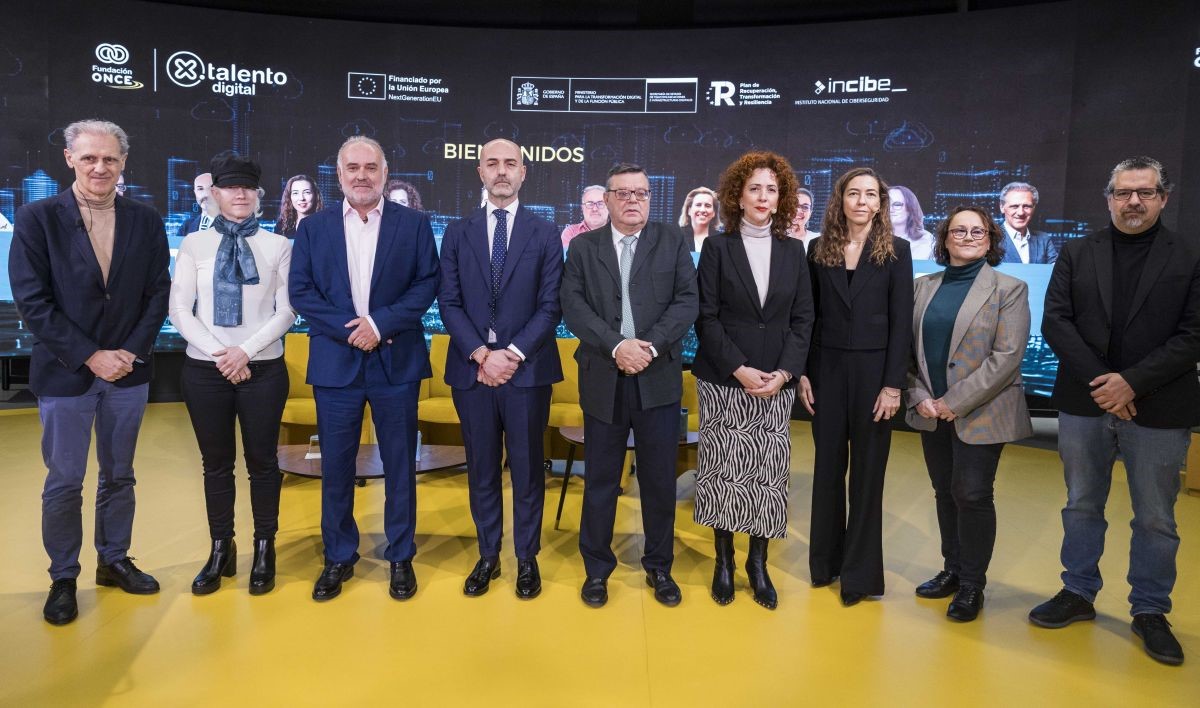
<point x="564" y="398"/>
<point x="300" y="411"/>
<point x="436" y="405"/>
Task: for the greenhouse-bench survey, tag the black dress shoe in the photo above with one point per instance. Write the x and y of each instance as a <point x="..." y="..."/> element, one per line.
<point x="665" y="589"/>
<point x="125" y="575"/>
<point x="1062" y="609"/>
<point x="262" y="570"/>
<point x="756" y="572"/>
<point x="850" y="599"/>
<point x="722" y="584"/>
<point x="329" y="584"/>
<point x="594" y="592"/>
<point x="403" y="583"/>
<point x="222" y="562"/>
<point x="480" y="579"/>
<point x="61" y="607"/>
<point x="967" y="603"/>
<point x="1157" y="640"/>
<point x="944" y="584"/>
<point x="529" y="580"/>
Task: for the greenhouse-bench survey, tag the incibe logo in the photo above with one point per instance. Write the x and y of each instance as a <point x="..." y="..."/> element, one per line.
<point x="862" y="84"/>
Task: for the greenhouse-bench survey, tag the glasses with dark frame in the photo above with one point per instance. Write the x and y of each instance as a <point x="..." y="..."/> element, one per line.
<point x="1123" y="195"/>
<point x="625" y="195"/>
<point x="960" y="233"/>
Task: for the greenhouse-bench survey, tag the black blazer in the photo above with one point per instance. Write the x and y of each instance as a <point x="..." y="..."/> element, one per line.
<point x="873" y="312"/>
<point x="1162" y="333"/>
<point x="63" y="300"/>
<point x="689" y="235"/>
<point x="734" y="329"/>
<point x="662" y="286"/>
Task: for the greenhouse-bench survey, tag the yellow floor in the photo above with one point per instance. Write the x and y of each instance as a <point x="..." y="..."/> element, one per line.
<point x="443" y="649"/>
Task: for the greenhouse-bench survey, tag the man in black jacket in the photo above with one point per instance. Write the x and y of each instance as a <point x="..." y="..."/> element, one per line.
<point x="89" y="276"/>
<point x="1123" y="315"/>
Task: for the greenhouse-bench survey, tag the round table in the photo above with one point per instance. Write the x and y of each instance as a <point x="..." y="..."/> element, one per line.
<point x="368" y="465"/>
<point x="574" y="437"/>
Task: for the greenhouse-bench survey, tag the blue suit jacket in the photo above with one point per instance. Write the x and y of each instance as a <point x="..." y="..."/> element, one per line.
<point x="1041" y="248"/>
<point x="403" y="285"/>
<point x="63" y="299"/>
<point x="527" y="311"/>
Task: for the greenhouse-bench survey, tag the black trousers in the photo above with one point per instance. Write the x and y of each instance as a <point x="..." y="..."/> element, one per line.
<point x="963" y="478"/>
<point x="656" y="438"/>
<point x="215" y="405"/>
<point x="845" y="386"/>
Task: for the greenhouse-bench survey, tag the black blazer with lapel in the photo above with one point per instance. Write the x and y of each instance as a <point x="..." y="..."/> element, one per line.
<point x="662" y="286"/>
<point x="63" y="299"/>
<point x="734" y="328"/>
<point x="1162" y="333"/>
<point x="874" y="311"/>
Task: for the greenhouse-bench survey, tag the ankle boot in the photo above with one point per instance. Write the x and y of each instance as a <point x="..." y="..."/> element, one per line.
<point x="722" y="585"/>
<point x="222" y="561"/>
<point x="756" y="569"/>
<point x="262" y="572"/>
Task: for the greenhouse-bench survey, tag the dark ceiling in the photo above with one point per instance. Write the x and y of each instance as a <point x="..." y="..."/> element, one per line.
<point x="613" y="14"/>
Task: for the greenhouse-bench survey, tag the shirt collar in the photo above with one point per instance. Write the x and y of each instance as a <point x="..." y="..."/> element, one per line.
<point x="347" y="209"/>
<point x="1017" y="237"/>
<point x="511" y="208"/>
<point x="617" y="235"/>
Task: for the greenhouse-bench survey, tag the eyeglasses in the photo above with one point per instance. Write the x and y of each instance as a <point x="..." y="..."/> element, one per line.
<point x="593" y="205"/>
<point x="1123" y="195"/>
<point x="804" y="208"/>
<point x="625" y="195"/>
<point x="962" y="234"/>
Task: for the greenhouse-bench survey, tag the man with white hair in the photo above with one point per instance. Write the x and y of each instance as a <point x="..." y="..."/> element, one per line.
<point x="1018" y="201"/>
<point x="89" y="277"/>
<point x="364" y="271"/>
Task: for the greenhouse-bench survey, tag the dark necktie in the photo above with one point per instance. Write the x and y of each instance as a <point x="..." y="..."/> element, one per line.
<point x="499" y="251"/>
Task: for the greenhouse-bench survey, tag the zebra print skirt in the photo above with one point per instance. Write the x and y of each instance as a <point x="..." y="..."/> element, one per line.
<point x="744" y="460"/>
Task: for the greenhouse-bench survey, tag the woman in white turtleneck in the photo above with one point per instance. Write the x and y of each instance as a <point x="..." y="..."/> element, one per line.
<point x="756" y="316"/>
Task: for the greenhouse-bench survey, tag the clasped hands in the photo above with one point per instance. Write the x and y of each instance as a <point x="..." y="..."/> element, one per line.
<point x="935" y="409"/>
<point x="233" y="363"/>
<point x="496" y="366"/>
<point x="1114" y="394"/>
<point x="363" y="337"/>
<point x="759" y="383"/>
<point x="111" y="364"/>
<point x="633" y="355"/>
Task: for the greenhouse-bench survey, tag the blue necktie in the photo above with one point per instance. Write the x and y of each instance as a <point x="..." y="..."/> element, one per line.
<point x="499" y="251"/>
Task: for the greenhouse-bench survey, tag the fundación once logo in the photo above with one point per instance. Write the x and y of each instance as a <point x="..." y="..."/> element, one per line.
<point x="111" y="53"/>
<point x="527" y="94"/>
<point x="108" y="71"/>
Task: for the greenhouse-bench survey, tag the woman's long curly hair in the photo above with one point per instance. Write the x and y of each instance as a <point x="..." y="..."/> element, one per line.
<point x="288" y="218"/>
<point x="733" y="181"/>
<point x="830" y="248"/>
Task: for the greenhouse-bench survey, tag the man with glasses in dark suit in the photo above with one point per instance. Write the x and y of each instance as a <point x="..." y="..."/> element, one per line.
<point x="629" y="294"/>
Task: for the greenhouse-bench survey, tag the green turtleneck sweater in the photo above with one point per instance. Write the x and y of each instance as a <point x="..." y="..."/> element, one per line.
<point x="938" y="325"/>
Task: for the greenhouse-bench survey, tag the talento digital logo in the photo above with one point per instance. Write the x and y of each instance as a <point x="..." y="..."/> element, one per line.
<point x="186" y="69"/>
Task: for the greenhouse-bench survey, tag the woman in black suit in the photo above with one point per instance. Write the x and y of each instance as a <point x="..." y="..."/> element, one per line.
<point x="863" y="292"/>
<point x="756" y="316"/>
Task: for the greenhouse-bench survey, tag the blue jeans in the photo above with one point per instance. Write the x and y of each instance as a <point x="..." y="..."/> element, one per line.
<point x="1153" y="457"/>
<point x="67" y="423"/>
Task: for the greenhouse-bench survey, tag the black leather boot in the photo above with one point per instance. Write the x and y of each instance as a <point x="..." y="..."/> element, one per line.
<point x="262" y="571"/>
<point x="756" y="569"/>
<point x="722" y="585"/>
<point x="222" y="561"/>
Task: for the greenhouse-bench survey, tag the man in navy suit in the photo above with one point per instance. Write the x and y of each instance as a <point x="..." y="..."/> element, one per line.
<point x="364" y="271"/>
<point x="501" y="269"/>
<point x="89" y="276"/>
<point x="1018" y="201"/>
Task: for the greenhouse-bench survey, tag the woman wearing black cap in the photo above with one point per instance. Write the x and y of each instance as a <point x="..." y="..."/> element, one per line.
<point x="230" y="302"/>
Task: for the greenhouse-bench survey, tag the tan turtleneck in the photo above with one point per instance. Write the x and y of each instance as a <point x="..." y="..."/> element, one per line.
<point x="100" y="220"/>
